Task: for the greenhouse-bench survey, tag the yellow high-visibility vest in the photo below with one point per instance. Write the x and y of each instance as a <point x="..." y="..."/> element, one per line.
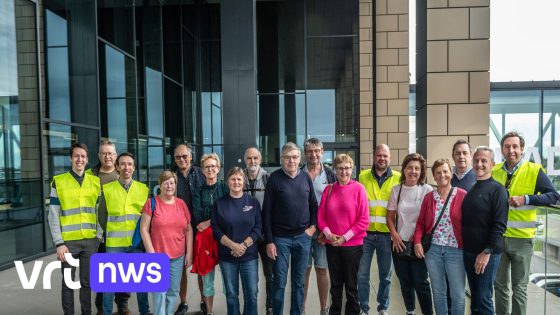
<point x="378" y="198"/>
<point x="78" y="217"/>
<point x="123" y="211"/>
<point x="521" y="220"/>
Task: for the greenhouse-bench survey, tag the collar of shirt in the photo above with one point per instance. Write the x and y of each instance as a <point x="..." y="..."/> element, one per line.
<point x="126" y="186"/>
<point x="504" y="166"/>
<point x="76" y="176"/>
<point x="322" y="174"/>
<point x="462" y="175"/>
<point x="289" y="173"/>
<point x="388" y="173"/>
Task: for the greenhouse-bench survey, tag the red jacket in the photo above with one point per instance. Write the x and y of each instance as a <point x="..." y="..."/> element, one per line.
<point x="427" y="216"/>
<point x="205" y="252"/>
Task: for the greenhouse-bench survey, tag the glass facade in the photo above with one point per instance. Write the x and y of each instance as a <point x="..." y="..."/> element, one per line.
<point x="307" y="58"/>
<point x="148" y="75"/>
<point x="22" y="216"/>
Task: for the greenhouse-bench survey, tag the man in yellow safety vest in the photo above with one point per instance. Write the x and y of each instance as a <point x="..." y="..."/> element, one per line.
<point x="378" y="181"/>
<point x="528" y="187"/>
<point x="73" y="223"/>
<point x="124" y="198"/>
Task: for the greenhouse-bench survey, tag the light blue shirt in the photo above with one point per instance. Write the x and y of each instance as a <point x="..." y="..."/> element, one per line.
<point x="319" y="183"/>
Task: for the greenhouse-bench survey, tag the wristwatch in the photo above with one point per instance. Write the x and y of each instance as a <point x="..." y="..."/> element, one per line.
<point x="487" y="251"/>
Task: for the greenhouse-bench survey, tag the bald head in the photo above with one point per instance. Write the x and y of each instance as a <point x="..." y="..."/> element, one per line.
<point x="381" y="158"/>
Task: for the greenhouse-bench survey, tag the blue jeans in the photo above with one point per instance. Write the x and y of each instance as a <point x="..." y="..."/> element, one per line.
<point x="298" y="247"/>
<point x="445" y="262"/>
<point x="482" y="285"/>
<point x="381" y="242"/>
<point x="165" y="302"/>
<point x="249" y="272"/>
<point x="142" y="297"/>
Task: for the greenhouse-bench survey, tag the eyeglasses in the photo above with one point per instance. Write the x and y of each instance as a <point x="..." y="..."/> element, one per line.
<point x="210" y="167"/>
<point x="342" y="169"/>
<point x="291" y="157"/>
<point x="179" y="157"/>
<point x="107" y="153"/>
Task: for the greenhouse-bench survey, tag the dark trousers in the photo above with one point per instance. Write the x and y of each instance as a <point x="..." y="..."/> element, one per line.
<point x="413" y="276"/>
<point x="344" y="262"/>
<point x="267" y="264"/>
<point x="121" y="298"/>
<point x="482" y="285"/>
<point x="82" y="250"/>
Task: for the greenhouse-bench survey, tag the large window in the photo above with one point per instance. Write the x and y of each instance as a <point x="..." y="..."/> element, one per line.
<point x="21" y="196"/>
<point x="307" y="62"/>
<point x="534" y="112"/>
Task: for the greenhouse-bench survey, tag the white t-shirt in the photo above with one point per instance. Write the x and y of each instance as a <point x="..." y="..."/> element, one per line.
<point x="408" y="208"/>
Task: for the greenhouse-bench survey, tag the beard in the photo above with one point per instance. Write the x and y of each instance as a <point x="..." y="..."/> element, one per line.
<point x="253" y="168"/>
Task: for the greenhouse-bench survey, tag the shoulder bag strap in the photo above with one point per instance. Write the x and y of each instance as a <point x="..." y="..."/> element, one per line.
<point x="442" y="210"/>
<point x="397" y="208"/>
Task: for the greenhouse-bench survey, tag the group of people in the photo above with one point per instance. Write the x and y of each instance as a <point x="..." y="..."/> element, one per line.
<point x="478" y="222"/>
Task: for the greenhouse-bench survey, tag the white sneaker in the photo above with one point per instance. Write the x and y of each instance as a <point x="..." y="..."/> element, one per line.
<point x="383" y="312"/>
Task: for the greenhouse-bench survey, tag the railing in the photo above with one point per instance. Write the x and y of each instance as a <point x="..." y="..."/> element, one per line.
<point x="543" y="292"/>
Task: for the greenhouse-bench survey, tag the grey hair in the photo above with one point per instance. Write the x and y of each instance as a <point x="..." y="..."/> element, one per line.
<point x="484" y="148"/>
<point x="109" y="143"/>
<point x="290" y="146"/>
<point x="186" y="145"/>
<point x="312" y="141"/>
<point x="249" y="148"/>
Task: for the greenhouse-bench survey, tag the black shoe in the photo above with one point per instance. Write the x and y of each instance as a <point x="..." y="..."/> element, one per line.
<point x="203" y="308"/>
<point x="182" y="309"/>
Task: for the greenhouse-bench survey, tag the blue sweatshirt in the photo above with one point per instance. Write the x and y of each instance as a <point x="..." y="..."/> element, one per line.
<point x="290" y="205"/>
<point x="236" y="218"/>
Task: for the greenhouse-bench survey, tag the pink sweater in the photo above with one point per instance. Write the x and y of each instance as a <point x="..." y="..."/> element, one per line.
<point x="345" y="213"/>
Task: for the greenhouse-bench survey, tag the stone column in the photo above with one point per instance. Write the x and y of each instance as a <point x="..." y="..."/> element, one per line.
<point x="386" y="119"/>
<point x="453" y="81"/>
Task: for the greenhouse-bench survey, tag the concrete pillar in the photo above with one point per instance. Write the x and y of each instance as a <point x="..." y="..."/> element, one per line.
<point x="384" y="120"/>
<point x="453" y="81"/>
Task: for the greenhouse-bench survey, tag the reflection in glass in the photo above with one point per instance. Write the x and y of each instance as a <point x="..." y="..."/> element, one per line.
<point x="174" y="118"/>
<point x="551" y="136"/>
<point x="154" y="106"/>
<point x="21" y="194"/>
<point x="332" y="17"/>
<point x="320" y="109"/>
<point x="172" y="39"/>
<point x="58" y="84"/>
<point x="331" y="79"/>
<point x="115" y="23"/>
<point x="280" y="46"/>
<point x="189" y="87"/>
<point x="115" y="73"/>
<point x="57" y="32"/>
<point x="217" y="137"/>
<point x="520" y="112"/>
<point x="155" y="161"/>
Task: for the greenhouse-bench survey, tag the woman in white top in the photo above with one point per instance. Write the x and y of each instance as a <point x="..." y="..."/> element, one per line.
<point x="402" y="211"/>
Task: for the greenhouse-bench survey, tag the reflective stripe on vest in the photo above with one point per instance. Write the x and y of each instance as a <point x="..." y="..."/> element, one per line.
<point x="78" y="217"/>
<point x="378" y="203"/>
<point x="521" y="220"/>
<point x="378" y="198"/>
<point x="378" y="219"/>
<point x="123" y="211"/>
